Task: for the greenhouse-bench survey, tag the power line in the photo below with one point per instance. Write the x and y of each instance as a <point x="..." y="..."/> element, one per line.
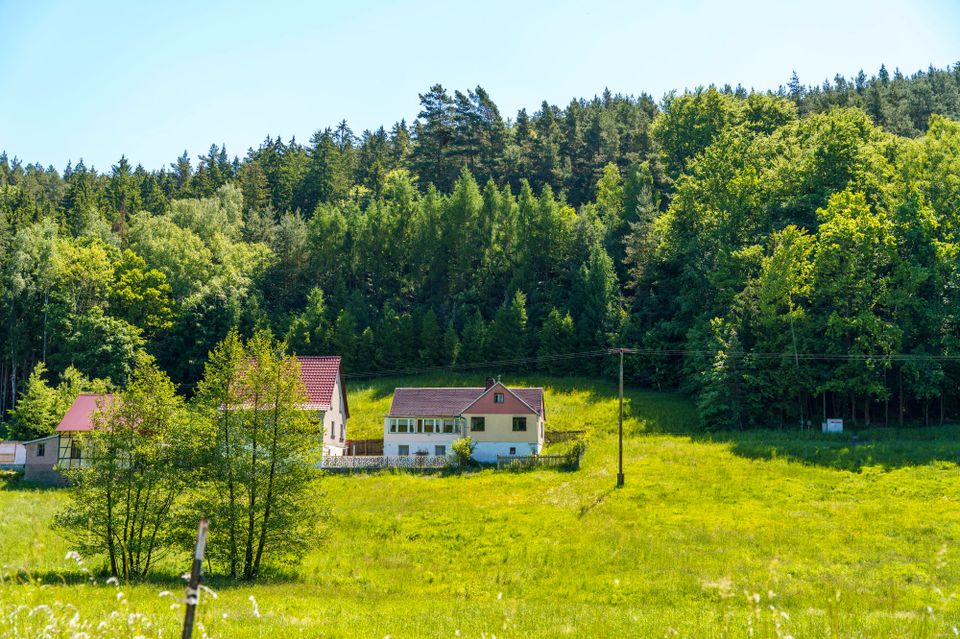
<point x="654" y="352"/>
<point x="477" y="365"/>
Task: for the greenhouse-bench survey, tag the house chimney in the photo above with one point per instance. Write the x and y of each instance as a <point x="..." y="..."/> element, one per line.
<point x="489" y="383"/>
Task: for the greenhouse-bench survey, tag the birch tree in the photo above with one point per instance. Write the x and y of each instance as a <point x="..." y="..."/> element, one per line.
<point x="262" y="457"/>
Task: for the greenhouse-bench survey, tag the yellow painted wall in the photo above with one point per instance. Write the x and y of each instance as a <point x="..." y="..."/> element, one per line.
<point x="499" y="428"/>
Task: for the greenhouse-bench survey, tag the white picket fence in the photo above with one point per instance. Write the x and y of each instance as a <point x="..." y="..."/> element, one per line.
<point x="376" y="462"/>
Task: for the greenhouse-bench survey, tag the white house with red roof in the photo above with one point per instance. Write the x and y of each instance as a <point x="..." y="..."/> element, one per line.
<point x="501" y="421"/>
<point x="327" y="396"/>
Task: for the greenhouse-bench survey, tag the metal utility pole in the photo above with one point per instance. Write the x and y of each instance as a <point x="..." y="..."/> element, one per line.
<point x="193" y="586"/>
<point x="620" y="431"/>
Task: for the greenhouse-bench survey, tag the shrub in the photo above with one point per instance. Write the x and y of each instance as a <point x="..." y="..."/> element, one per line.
<point x="463" y="448"/>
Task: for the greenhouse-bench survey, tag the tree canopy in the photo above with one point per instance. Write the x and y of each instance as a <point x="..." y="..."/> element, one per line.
<point x="724" y="232"/>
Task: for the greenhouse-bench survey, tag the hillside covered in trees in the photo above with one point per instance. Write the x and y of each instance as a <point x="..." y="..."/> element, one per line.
<point x="777" y="255"/>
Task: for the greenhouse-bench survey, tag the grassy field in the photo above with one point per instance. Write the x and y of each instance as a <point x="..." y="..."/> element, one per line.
<point x="760" y="534"/>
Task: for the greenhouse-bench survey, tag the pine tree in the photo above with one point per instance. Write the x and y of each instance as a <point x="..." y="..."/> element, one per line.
<point x="595" y="296"/>
<point x="508" y="332"/>
<point x="556" y="338"/>
<point x="309" y="330"/>
<point x="431" y="346"/>
<point x="451" y="345"/>
<point x="39" y="410"/>
<point x="473" y="346"/>
<point x="343" y="340"/>
<point x="435" y="132"/>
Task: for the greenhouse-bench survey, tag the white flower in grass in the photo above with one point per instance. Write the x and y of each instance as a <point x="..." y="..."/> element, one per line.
<point x="499" y="596"/>
<point x="256" y="609"/>
<point x="166" y="593"/>
<point x="74" y="555"/>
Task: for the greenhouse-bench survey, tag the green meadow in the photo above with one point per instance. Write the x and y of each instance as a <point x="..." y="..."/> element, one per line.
<point x="763" y="534"/>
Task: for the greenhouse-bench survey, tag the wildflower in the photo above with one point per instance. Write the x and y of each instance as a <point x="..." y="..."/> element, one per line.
<point x="256" y="609"/>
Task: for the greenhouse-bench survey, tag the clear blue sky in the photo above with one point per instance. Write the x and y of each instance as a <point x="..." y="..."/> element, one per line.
<point x="100" y="79"/>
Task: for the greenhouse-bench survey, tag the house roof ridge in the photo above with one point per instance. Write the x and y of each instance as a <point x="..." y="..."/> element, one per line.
<point x="505" y="387"/>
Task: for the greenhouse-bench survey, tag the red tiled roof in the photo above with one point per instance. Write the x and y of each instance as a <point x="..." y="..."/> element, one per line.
<point x="450" y="402"/>
<point x="319" y="375"/>
<point x="79" y="417"/>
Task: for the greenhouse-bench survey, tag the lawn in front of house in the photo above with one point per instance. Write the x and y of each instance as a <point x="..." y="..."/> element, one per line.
<point x="711" y="535"/>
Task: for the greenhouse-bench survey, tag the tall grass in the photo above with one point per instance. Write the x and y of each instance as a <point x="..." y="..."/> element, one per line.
<point x="760" y="534"/>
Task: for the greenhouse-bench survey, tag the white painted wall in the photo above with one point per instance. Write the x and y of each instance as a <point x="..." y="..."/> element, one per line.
<point x="13" y="453"/>
<point x="336" y="416"/>
<point x="486" y="452"/>
<point x="417" y="442"/>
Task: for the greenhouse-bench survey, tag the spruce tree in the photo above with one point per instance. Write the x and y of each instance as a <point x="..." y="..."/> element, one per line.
<point x="451" y="345"/>
<point x="473" y="346"/>
<point x="556" y="338"/>
<point x="431" y="346"/>
<point x="343" y="340"/>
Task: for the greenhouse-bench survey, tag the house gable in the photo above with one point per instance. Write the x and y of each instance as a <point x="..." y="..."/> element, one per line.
<point x="486" y="404"/>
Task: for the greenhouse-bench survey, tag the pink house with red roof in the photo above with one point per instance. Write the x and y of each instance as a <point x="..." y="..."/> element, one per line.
<point x="327" y="396"/>
<point x="500" y="421"/>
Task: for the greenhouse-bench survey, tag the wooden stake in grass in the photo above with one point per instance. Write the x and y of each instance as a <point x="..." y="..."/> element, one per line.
<point x="193" y="586"/>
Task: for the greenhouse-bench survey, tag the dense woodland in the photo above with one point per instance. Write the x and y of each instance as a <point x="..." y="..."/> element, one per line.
<point x="776" y="255"/>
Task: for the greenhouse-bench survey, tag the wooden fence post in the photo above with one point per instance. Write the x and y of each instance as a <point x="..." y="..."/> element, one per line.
<point x="193" y="586"/>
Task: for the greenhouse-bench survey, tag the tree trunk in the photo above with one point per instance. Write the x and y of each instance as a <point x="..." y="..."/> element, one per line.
<point x="273" y="468"/>
<point x="111" y="542"/>
<point x="231" y="489"/>
<point x="248" y="572"/>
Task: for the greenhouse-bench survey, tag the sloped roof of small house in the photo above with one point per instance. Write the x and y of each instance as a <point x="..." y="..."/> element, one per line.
<point x="79" y="417"/>
<point x="319" y="375"/>
<point x="451" y="402"/>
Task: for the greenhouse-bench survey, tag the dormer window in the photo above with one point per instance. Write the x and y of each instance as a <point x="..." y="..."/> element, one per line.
<point x="498" y="398"/>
